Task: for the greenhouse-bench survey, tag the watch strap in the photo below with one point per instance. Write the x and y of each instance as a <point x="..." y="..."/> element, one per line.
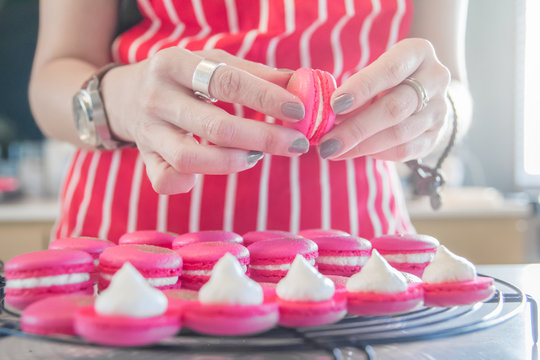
<point x="106" y="139"/>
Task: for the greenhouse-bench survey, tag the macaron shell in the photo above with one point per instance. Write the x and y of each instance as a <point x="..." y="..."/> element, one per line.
<point x="93" y="246"/>
<point x="147" y="237"/>
<point x="231" y="320"/>
<point x="204" y="255"/>
<point x="338" y="270"/>
<point x="206" y="236"/>
<point x="280" y="251"/>
<point x="458" y="293"/>
<point x="314" y="88"/>
<point x="48" y="263"/>
<point x="150" y="261"/>
<point x="346" y="244"/>
<point x="327" y="88"/>
<point x="54" y="315"/>
<point x="124" y="330"/>
<point x="304" y="86"/>
<point x="416" y="269"/>
<point x="380" y="304"/>
<point x="401" y="243"/>
<point x="312" y="313"/>
<point x="21" y="298"/>
<point x="255" y="236"/>
<point x="313" y="233"/>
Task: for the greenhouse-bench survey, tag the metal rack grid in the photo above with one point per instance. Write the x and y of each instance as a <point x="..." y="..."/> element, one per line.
<point x="353" y="331"/>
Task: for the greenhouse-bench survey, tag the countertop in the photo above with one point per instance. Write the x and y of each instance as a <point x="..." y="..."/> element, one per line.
<point x="509" y="340"/>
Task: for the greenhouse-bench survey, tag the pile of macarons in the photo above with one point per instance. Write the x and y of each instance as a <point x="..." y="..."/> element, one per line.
<point x="152" y="284"/>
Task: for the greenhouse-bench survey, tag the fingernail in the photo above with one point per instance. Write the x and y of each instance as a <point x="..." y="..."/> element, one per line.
<point x="288" y="71"/>
<point x="293" y="110"/>
<point x="254" y="156"/>
<point x="342" y="103"/>
<point x="329" y="148"/>
<point x="299" y="146"/>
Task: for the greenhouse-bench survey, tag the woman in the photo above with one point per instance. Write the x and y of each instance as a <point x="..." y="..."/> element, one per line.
<point x="348" y="182"/>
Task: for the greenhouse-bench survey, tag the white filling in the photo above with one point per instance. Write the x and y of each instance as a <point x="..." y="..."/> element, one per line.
<point x="418" y="258"/>
<point x="96" y="262"/>
<point x="64" y="279"/>
<point x="377" y="276"/>
<point x="130" y="295"/>
<point x="230" y="285"/>
<point x="304" y="283"/>
<point x="319" y="111"/>
<point x="342" y="260"/>
<point x="161" y="281"/>
<point x="281" y="267"/>
<point x="206" y="272"/>
<point x="448" y="267"/>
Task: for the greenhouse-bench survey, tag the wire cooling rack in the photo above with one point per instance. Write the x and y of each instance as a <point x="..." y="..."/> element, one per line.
<point x="357" y="332"/>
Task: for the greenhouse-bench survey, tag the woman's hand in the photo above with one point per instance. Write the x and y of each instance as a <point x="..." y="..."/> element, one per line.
<point x="152" y="104"/>
<point x="376" y="112"/>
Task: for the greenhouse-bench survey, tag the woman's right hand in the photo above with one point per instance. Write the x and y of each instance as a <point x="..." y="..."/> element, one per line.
<point x="151" y="103"/>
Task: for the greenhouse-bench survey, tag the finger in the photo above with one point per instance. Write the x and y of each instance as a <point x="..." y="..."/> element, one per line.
<point x="279" y="77"/>
<point x="386" y="112"/>
<point x="418" y="148"/>
<point x="164" y="178"/>
<point x="390" y="69"/>
<point x="230" y="84"/>
<point x="187" y="156"/>
<point x="431" y="118"/>
<point x="217" y="126"/>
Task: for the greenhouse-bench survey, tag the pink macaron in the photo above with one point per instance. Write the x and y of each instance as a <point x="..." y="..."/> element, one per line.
<point x="255" y="236"/>
<point x="379" y="304"/>
<point x="200" y="257"/>
<point x="161" y="267"/>
<point x="342" y="255"/>
<point x="37" y="275"/>
<point x="91" y="245"/>
<point x="54" y="315"/>
<point x="313" y="313"/>
<point x="147" y="237"/>
<point x="271" y="259"/>
<point x="313" y="233"/>
<point x="314" y="88"/>
<point x="458" y="293"/>
<point x="407" y="252"/>
<point x="181" y="299"/>
<point x="231" y="320"/>
<point x="120" y="330"/>
<point x="206" y="236"/>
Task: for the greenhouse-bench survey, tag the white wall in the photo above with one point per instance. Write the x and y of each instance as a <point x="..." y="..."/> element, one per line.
<point x="488" y="148"/>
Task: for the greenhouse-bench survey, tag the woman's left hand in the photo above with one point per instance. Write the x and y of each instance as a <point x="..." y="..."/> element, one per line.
<point x="377" y="112"/>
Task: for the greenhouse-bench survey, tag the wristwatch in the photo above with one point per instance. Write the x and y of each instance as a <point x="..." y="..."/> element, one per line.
<point x="90" y="115"/>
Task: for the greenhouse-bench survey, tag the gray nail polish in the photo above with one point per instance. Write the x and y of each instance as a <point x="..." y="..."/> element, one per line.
<point x="293" y="110"/>
<point x="299" y="146"/>
<point x="342" y="103"/>
<point x="254" y="156"/>
<point x="329" y="148"/>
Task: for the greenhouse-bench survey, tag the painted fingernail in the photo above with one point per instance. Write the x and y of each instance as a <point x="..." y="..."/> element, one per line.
<point x="299" y="146"/>
<point x="342" y="103"/>
<point x="254" y="156"/>
<point x="329" y="148"/>
<point x="293" y="110"/>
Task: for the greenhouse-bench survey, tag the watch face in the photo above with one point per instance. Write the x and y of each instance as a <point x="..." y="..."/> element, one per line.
<point x="82" y="113"/>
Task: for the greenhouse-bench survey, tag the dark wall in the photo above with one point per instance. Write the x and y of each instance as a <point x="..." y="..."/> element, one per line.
<point x="18" y="32"/>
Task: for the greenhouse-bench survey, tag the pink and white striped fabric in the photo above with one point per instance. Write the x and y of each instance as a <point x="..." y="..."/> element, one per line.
<point x="108" y="193"/>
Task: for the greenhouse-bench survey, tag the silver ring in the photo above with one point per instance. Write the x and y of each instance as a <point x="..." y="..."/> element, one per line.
<point x="202" y="75"/>
<point x="420" y="91"/>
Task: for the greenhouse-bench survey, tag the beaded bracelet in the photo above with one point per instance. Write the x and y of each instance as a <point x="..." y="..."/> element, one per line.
<point x="428" y="181"/>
